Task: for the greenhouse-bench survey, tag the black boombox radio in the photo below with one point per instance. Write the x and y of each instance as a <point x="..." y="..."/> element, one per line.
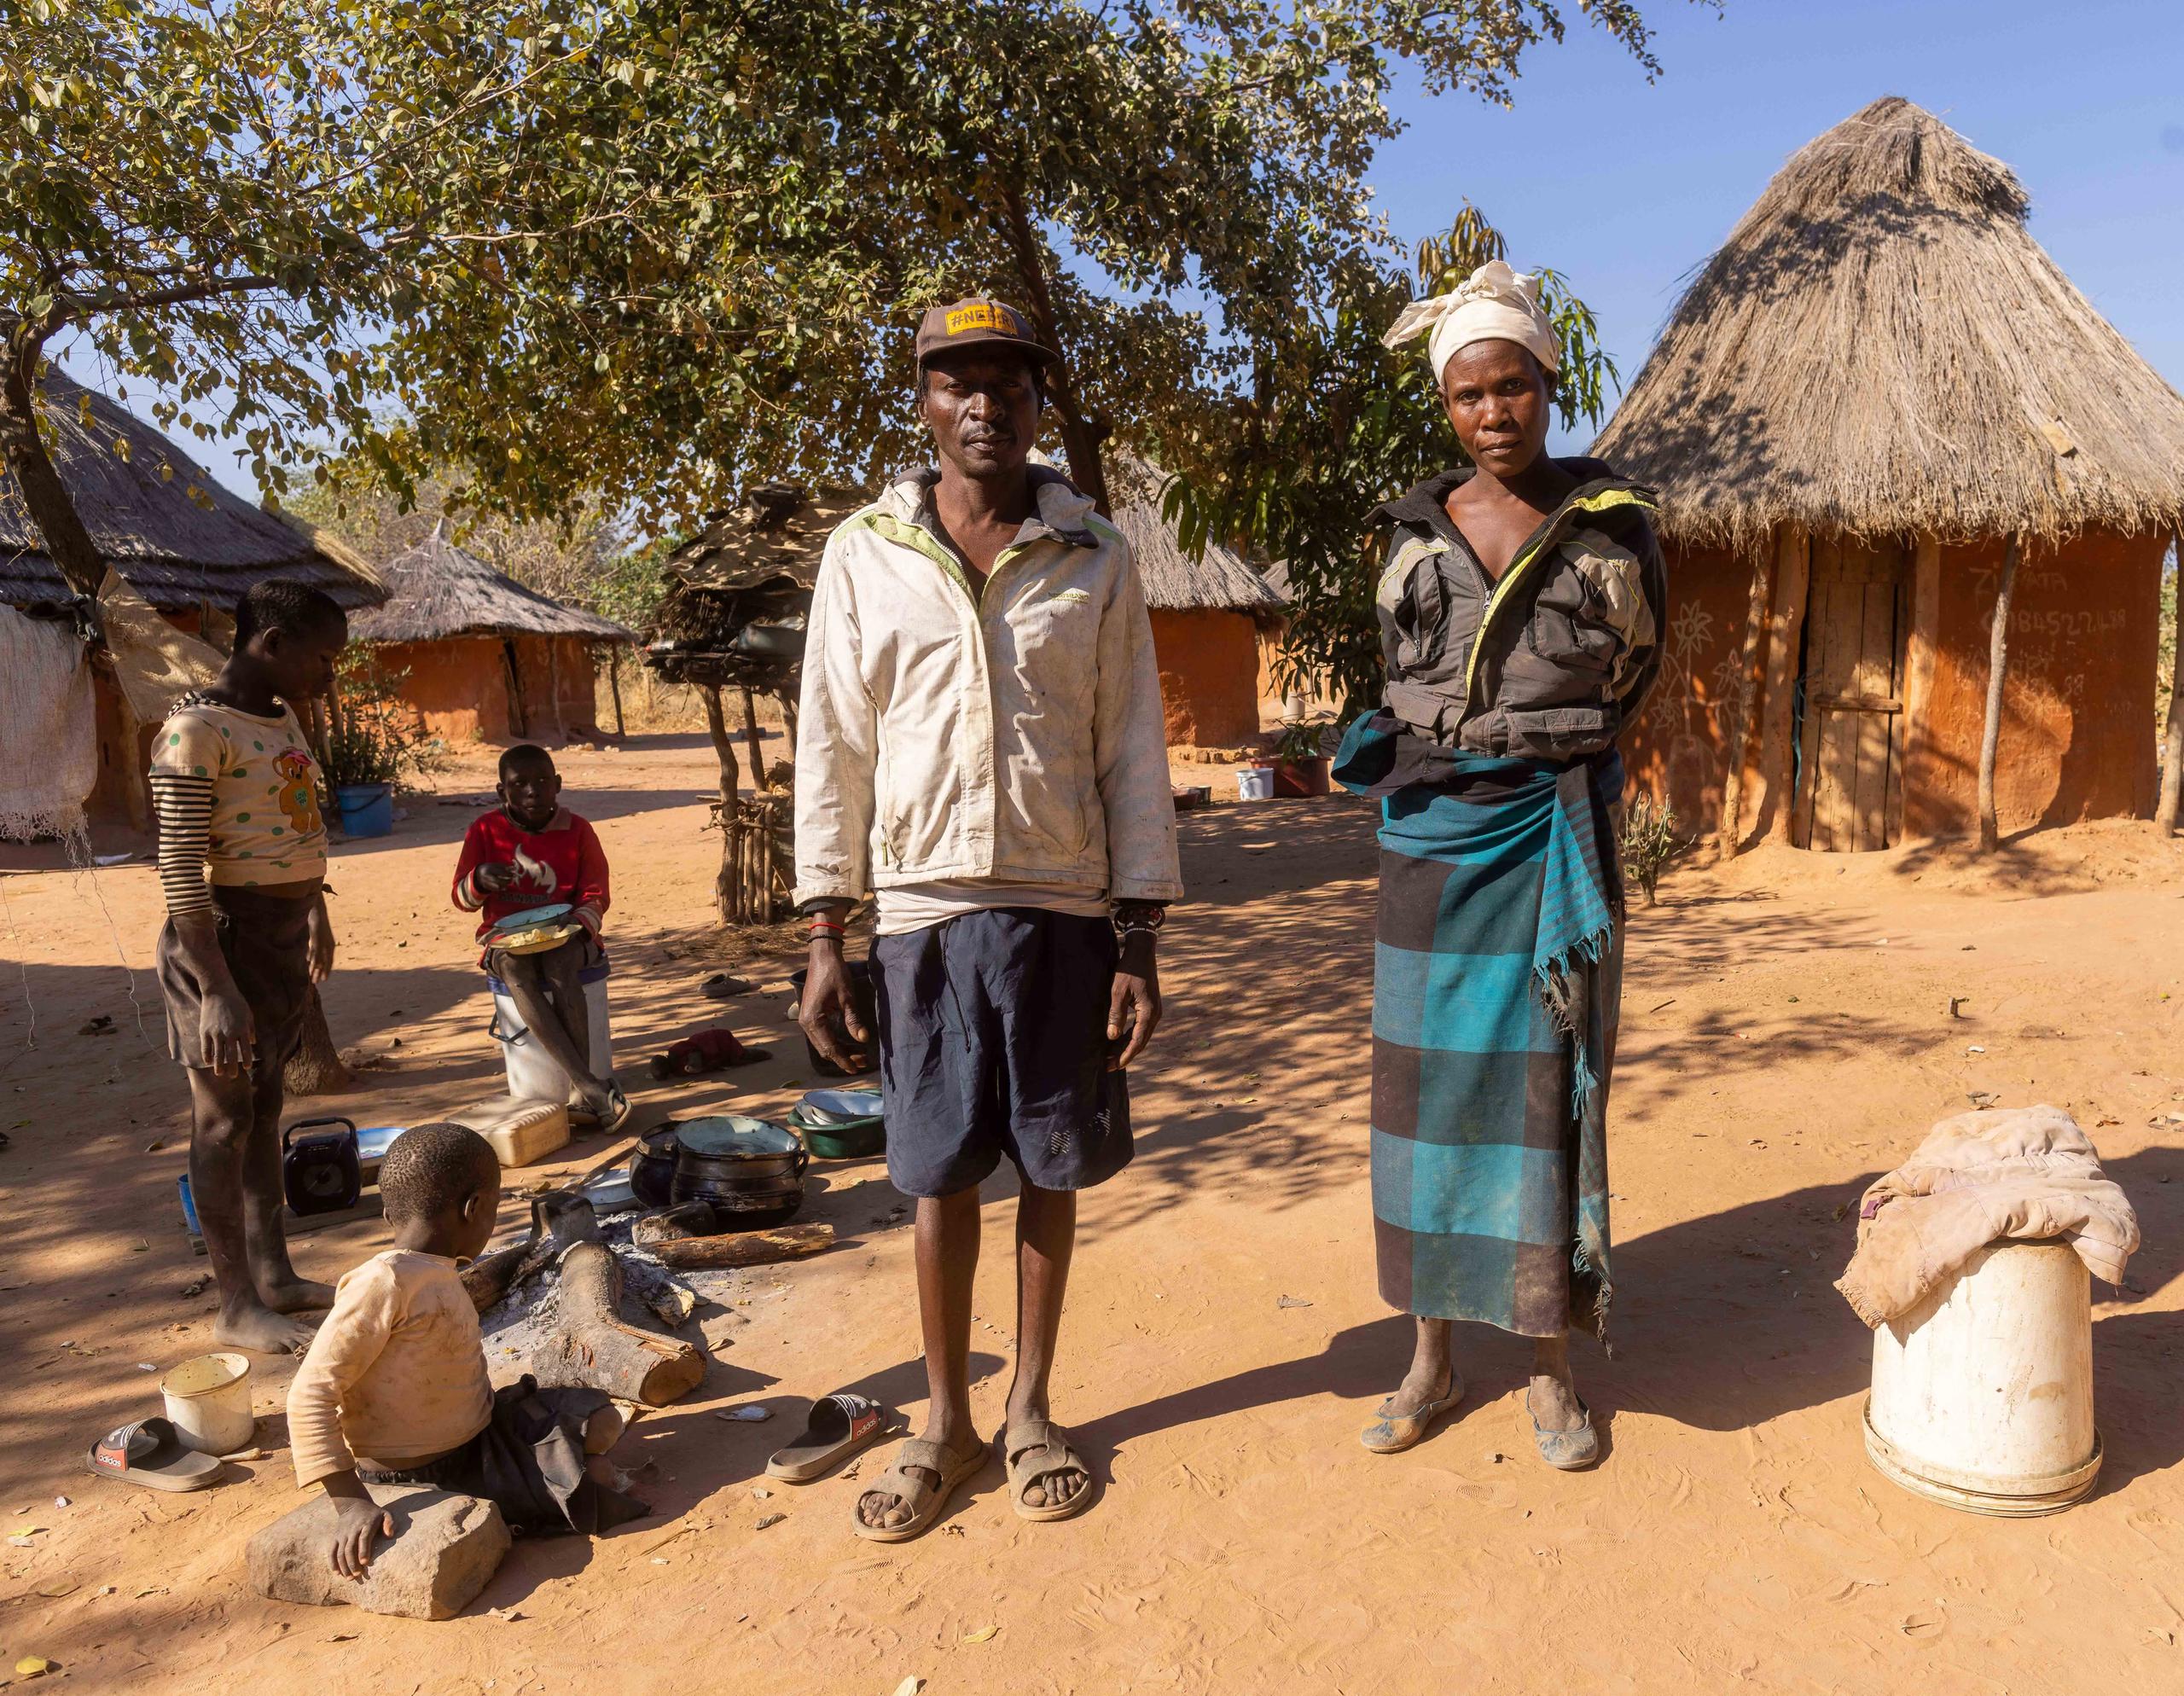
<point x="320" y="1172"/>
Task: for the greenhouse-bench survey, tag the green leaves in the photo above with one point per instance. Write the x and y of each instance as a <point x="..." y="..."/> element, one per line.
<point x="1340" y="424"/>
<point x="632" y="257"/>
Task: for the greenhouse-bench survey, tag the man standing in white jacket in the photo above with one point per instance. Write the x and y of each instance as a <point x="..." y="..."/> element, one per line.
<point x="980" y="744"/>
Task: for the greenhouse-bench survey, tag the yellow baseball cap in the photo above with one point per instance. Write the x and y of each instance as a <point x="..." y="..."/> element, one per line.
<point x="967" y="322"/>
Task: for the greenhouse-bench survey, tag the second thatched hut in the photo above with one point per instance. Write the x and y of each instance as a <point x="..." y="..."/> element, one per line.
<point x="1878" y="393"/>
<point x="1208" y="614"/>
<point x="486" y="659"/>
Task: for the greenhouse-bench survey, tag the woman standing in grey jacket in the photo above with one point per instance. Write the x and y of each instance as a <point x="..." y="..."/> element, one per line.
<point x="1520" y="612"/>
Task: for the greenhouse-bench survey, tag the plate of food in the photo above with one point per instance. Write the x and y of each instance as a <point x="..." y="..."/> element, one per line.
<point x="534" y="929"/>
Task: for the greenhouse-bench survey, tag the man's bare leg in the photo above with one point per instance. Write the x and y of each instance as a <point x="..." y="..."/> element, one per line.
<point x="225" y="1185"/>
<point x="266" y="1232"/>
<point x="948" y="1262"/>
<point x="1046" y="1237"/>
<point x="527" y="978"/>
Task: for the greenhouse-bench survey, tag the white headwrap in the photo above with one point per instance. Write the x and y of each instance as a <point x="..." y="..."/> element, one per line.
<point x="1493" y="304"/>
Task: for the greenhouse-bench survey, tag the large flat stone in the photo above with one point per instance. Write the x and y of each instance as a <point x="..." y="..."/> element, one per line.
<point x="445" y="1550"/>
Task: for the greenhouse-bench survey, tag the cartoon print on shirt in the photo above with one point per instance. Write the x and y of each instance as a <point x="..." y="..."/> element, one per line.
<point x="295" y="792"/>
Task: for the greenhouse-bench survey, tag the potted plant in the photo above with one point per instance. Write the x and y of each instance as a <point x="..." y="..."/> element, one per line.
<point x="361" y="765"/>
<point x="371" y="738"/>
<point x="1300" y="765"/>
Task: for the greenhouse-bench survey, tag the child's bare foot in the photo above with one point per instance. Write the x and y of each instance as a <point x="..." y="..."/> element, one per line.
<point x="606" y="1475"/>
<point x="603" y="1429"/>
<point x="296" y="1295"/>
<point x="248" y="1323"/>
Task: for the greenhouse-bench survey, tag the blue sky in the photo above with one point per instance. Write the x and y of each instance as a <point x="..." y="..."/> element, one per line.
<point x="1626" y="187"/>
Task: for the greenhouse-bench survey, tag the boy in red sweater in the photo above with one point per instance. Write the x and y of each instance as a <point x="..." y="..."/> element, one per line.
<point x="531" y="852"/>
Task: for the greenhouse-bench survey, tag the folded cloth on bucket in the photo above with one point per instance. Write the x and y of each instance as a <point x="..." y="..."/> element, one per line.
<point x="1980" y="1177"/>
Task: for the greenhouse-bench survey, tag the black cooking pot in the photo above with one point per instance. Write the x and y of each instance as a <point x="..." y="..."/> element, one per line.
<point x="652" y="1172"/>
<point x="863" y="998"/>
<point x="751" y="1171"/>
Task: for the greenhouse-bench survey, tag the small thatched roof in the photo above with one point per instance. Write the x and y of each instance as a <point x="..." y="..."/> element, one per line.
<point x="777" y="532"/>
<point x="1881" y="347"/>
<point x="1221" y="582"/>
<point x="436" y="590"/>
<point x="137" y="505"/>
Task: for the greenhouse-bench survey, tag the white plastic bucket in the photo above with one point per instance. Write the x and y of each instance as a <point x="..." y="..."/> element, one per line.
<point x="1254" y="783"/>
<point x="532" y="1074"/>
<point x="1982" y="1394"/>
<point x="208" y="1400"/>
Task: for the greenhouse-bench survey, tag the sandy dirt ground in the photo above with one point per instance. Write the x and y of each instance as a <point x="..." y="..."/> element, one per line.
<point x="1787" y="1036"/>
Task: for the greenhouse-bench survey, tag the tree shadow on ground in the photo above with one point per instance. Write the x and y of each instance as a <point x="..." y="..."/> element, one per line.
<point x="1262" y="1115"/>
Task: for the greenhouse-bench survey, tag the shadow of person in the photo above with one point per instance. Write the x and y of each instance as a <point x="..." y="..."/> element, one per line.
<point x="1720" y="1323"/>
<point x="1731" y="1320"/>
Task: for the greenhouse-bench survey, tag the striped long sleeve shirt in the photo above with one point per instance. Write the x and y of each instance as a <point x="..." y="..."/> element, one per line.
<point x="236" y="796"/>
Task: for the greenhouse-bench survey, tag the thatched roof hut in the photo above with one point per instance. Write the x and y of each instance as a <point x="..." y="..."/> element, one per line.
<point x="486" y="657"/>
<point x="437" y="591"/>
<point x="756" y="564"/>
<point x="1223" y="581"/>
<point x="180" y="539"/>
<point x="1211" y="618"/>
<point x="1876" y="383"/>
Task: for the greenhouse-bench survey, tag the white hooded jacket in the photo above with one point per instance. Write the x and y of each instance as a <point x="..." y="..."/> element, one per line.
<point x="1016" y="735"/>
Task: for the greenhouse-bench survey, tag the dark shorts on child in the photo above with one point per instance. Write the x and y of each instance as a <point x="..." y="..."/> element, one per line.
<point x="266" y="941"/>
<point x="529" y="1460"/>
<point x="993" y="1041"/>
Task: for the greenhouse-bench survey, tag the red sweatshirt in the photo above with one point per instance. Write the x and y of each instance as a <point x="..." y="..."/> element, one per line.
<point x="562" y="863"/>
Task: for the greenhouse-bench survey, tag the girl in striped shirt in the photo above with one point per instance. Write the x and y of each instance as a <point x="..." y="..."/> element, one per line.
<point x="242" y="863"/>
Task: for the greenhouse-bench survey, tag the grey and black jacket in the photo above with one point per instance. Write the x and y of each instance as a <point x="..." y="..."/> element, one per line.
<point x="1551" y="662"/>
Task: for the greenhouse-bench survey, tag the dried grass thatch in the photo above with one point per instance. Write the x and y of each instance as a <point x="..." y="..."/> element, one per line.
<point x="174" y="534"/>
<point x="778" y="532"/>
<point x="1222" y="581"/>
<point x="1881" y="348"/>
<point x="436" y="590"/>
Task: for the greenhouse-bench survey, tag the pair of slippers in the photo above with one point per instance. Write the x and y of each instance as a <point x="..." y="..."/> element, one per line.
<point x="151" y="1453"/>
<point x="1037" y="1450"/>
<point x="1566" y="1451"/>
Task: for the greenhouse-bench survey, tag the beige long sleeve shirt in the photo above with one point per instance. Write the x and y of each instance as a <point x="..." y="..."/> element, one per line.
<point x="396" y="1375"/>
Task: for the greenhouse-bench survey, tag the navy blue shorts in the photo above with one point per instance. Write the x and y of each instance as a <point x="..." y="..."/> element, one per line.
<point x="993" y="1041"/>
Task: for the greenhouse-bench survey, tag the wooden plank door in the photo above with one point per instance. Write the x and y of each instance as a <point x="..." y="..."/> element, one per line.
<point x="1850" y="769"/>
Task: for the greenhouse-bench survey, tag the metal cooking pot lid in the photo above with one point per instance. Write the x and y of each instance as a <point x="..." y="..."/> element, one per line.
<point x="735" y="1137"/>
<point x="837" y="1108"/>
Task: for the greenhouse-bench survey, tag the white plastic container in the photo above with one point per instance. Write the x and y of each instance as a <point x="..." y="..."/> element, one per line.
<point x="1254" y="783"/>
<point x="208" y="1400"/>
<point x="1983" y="1395"/>
<point x="532" y="1074"/>
<point x="522" y="1133"/>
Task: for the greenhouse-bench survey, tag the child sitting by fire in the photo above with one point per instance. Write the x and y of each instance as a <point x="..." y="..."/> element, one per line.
<point x="394" y="1389"/>
<point x="530" y="852"/>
